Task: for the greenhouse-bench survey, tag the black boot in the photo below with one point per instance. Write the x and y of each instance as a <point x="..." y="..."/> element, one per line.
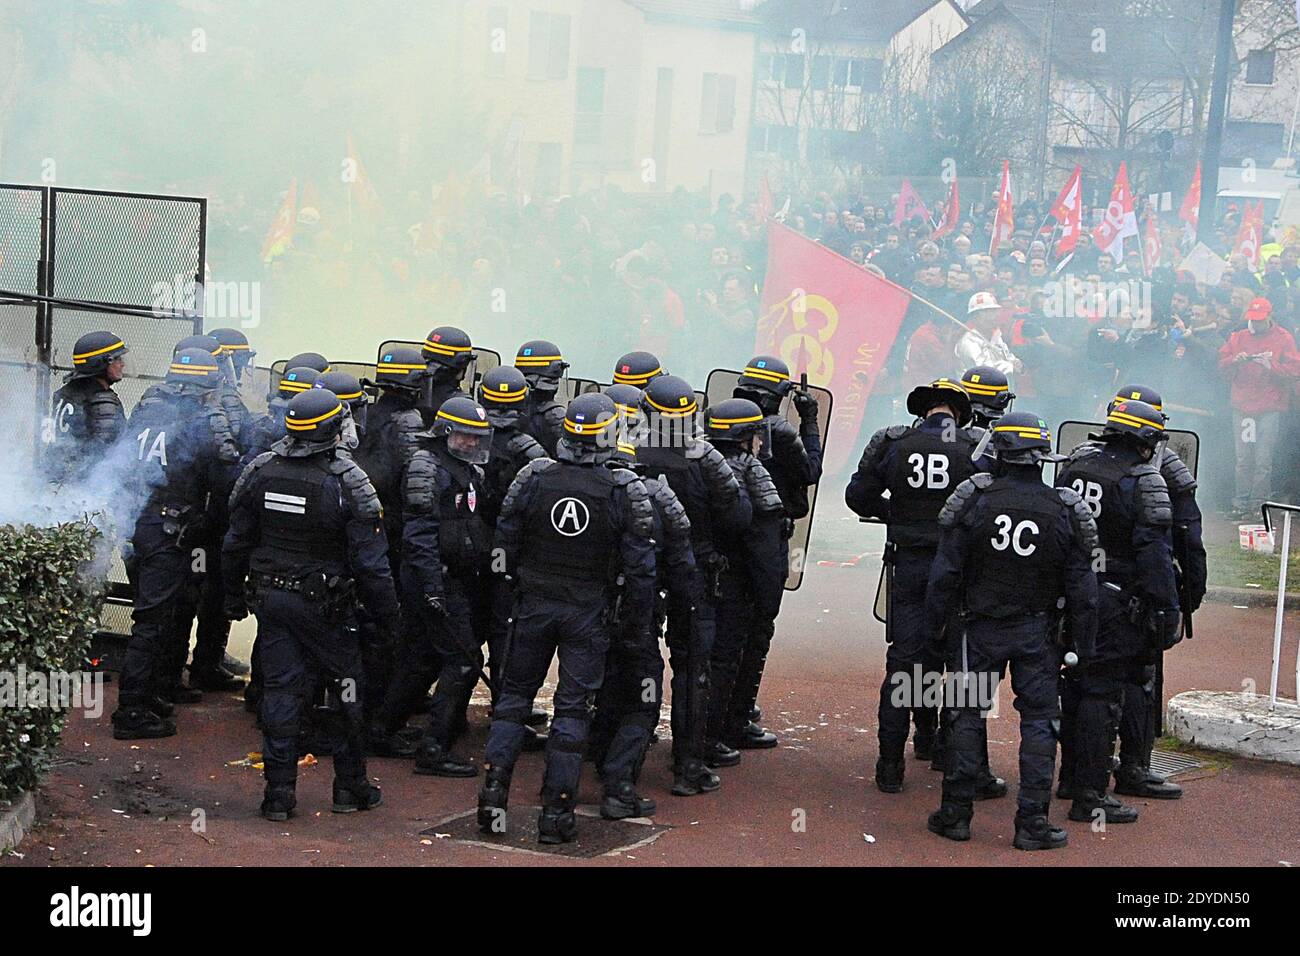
<point x="1135" y="781"/>
<point x="214" y="679"/>
<point x="1087" y="802"/>
<point x="353" y="795"/>
<point x="178" y="693"/>
<point x="692" y="778"/>
<point x="137" y="723"/>
<point x="162" y="706"/>
<point x="889" y="775"/>
<point x="950" y="821"/>
<point x="923" y="746"/>
<point x="755" y="714"/>
<point x="753" y="737"/>
<point x="624" y="802"/>
<point x="557" y="824"/>
<point x="380" y="743"/>
<point x="1038" y="833"/>
<point x="233" y="665"/>
<point x="718" y="754"/>
<point x="278" y="801"/>
<point x="434" y="760"/>
<point x="990" y="788"/>
<point x="492" y="800"/>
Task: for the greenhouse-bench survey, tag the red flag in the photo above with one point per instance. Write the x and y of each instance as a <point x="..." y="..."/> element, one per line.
<point x="1249" y="236"/>
<point x="1190" y="211"/>
<point x="834" y="319"/>
<point x="951" y="213"/>
<point x="280" y="236"/>
<point x="1151" y="245"/>
<point x="1004" y="221"/>
<point x="909" y="205"/>
<point x="1120" y="220"/>
<point x="1068" y="211"/>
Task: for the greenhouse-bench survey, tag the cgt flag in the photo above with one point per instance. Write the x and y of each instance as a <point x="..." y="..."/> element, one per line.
<point x="1250" y="235"/>
<point x="1004" y="220"/>
<point x="1068" y="211"/>
<point x="951" y="213"/>
<point x="1120" y="220"/>
<point x="909" y="205"/>
<point x="834" y="320"/>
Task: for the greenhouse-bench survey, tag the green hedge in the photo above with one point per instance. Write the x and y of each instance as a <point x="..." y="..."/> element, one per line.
<point x="51" y="584"/>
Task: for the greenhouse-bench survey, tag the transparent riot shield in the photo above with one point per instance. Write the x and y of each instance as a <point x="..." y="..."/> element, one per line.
<point x="570" y="388"/>
<point x="1186" y="444"/>
<point x="362" y="370"/>
<point x="720" y="384"/>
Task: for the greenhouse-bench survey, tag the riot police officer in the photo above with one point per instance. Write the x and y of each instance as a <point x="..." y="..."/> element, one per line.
<point x="348" y="388"/>
<point x="444" y="544"/>
<point x="627" y="707"/>
<point x="753" y="579"/>
<point x="447" y="352"/>
<point x="1119" y="481"/>
<point x="87" y="416"/>
<point x="1012" y="551"/>
<point x="564" y="525"/>
<point x="182" y="460"/>
<point x="637" y="369"/>
<point x="305" y="540"/>
<point x="390" y="437"/>
<point x="990" y="394"/>
<point x="543" y="366"/>
<point x="718" y="509"/>
<point x="312" y="360"/>
<point x="237" y="356"/>
<point x="1134" y="776"/>
<point x="503" y="393"/>
<point x="919" y="466"/>
<point x="794" y="460"/>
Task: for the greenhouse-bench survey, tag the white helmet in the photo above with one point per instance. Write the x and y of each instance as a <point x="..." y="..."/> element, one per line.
<point x="981" y="301"/>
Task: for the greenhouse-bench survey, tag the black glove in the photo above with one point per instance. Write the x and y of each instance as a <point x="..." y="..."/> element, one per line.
<point x="805" y="403"/>
<point x="436" y="604"/>
<point x="234" y="608"/>
<point x="1169" y="628"/>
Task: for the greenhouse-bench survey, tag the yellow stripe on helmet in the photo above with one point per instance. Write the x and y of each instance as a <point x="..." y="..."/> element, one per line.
<point x="636" y="378"/>
<point x="521" y="360"/>
<point x="766" y="373"/>
<point x="442" y="348"/>
<point x="728" y="422"/>
<point x="1136" y="397"/>
<point x="304" y="424"/>
<point x="672" y="412"/>
<point x="79" y="358"/>
<point x="399" y="367"/>
<point x="582" y="428"/>
<point x="505" y="397"/>
<point x="293" y="385"/>
<point x="1024" y="432"/>
<point x="348" y="396"/>
<point x="192" y="369"/>
<point x="463" y="421"/>
<point x="1123" y="418"/>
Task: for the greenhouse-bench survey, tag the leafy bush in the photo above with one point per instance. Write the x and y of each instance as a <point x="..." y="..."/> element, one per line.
<point x="50" y="593"/>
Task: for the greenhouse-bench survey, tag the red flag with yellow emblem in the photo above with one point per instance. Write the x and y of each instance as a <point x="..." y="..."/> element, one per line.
<point x="825" y="315"/>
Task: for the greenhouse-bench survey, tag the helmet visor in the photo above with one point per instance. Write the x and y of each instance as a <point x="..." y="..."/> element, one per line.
<point x="474" y="447"/>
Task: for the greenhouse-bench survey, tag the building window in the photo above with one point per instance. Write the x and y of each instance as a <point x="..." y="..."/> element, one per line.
<point x="589" y="106"/>
<point x="821" y="72"/>
<point x="1259" y="67"/>
<point x="865" y="74"/>
<point x="718" y="103"/>
<point x="548" y="46"/>
<point x="771" y="68"/>
<point x="496" y="41"/>
<point x="794" y="71"/>
<point x="783" y="141"/>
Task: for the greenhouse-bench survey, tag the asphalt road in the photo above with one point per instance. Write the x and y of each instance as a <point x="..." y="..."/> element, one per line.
<point x="810" y="801"/>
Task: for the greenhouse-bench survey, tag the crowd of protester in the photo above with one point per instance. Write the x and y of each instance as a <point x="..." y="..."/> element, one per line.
<point x="682" y="277"/>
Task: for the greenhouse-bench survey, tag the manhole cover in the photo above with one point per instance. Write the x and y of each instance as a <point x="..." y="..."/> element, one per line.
<point x="596" y="836"/>
<point x="1169" y="764"/>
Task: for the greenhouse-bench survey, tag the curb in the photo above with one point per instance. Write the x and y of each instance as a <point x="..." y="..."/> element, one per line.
<point x="1251" y="597"/>
<point x="1237" y="723"/>
<point x="15" y="820"/>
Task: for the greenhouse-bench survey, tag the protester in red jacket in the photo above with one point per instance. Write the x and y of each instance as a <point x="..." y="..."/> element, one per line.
<point x="1262" y="364"/>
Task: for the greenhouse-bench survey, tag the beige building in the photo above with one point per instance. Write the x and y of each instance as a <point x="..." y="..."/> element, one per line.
<point x="646" y="95"/>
